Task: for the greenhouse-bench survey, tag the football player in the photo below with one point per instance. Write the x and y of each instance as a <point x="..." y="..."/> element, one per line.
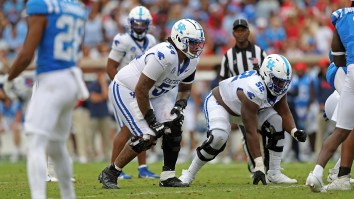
<point x="258" y="100"/>
<point x="144" y="100"/>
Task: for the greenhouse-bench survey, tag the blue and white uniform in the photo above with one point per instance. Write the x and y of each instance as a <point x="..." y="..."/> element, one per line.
<point x="161" y="64"/>
<point x="59" y="82"/>
<point x="124" y="49"/>
<point x="343" y="21"/>
<point x="254" y="88"/>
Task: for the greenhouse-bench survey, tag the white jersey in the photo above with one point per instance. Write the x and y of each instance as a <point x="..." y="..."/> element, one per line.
<point x="125" y="48"/>
<point x="252" y="85"/>
<point x="161" y="64"/>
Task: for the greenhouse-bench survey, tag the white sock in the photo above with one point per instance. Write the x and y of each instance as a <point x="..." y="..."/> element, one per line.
<point x="142" y="166"/>
<point x="36" y="165"/>
<point x="196" y="165"/>
<point x="318" y="171"/>
<point x="63" y="167"/>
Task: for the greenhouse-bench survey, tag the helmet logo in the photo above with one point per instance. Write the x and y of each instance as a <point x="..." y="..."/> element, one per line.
<point x="271" y="64"/>
<point x="181" y="27"/>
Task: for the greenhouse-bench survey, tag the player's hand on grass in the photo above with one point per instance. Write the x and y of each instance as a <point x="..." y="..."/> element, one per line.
<point x="259" y="176"/>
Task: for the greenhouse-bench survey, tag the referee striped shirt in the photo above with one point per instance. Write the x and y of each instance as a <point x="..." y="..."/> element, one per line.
<point x="237" y="60"/>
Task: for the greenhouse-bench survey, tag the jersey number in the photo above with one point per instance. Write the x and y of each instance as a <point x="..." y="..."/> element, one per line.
<point x="161" y="89"/>
<point x="66" y="44"/>
<point x="244" y="75"/>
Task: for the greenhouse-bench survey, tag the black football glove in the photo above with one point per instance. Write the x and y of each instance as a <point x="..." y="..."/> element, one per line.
<point x="180" y="105"/>
<point x="259" y="176"/>
<point x="157" y="127"/>
<point x="299" y="135"/>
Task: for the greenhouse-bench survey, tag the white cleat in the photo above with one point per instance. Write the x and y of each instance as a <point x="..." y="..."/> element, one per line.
<point x="342" y="183"/>
<point x="315" y="183"/>
<point x="186" y="177"/>
<point x="280" y="178"/>
<point x="333" y="175"/>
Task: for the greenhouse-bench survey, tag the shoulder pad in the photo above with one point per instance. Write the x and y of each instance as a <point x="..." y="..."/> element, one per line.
<point x="42" y="7"/>
<point x="166" y="54"/>
<point x="336" y="15"/>
<point x="120" y="41"/>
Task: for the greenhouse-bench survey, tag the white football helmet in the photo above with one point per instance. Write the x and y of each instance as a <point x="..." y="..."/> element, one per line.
<point x="276" y="73"/>
<point x="139" y="20"/>
<point x="188" y="36"/>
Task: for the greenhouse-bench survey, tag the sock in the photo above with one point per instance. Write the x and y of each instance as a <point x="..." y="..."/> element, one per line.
<point x="59" y="154"/>
<point x="344" y="171"/>
<point x="318" y="171"/>
<point x="114" y="167"/>
<point x="196" y="165"/>
<point x="142" y="166"/>
<point x="36" y="165"/>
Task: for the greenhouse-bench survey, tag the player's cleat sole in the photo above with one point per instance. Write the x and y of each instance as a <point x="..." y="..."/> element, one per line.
<point x="172" y="182"/>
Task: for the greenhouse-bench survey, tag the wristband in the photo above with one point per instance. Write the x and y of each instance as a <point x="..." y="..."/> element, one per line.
<point x="293" y="131"/>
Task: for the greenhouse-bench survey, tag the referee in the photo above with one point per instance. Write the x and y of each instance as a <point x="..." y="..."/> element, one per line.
<point x="242" y="57"/>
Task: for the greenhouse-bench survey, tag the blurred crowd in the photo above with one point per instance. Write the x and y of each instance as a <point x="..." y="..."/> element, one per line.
<point x="293" y="28"/>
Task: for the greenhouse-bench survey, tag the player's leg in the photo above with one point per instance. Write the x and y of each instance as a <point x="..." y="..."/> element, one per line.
<point x="219" y="129"/>
<point x="272" y="129"/>
<point x="128" y="110"/>
<point x="344" y="126"/>
<point x="343" y="180"/>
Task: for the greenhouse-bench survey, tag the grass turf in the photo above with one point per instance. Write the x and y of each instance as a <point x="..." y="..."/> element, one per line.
<point x="213" y="181"/>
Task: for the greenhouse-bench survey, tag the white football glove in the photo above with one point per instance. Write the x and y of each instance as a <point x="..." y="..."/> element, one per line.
<point x="9" y="89"/>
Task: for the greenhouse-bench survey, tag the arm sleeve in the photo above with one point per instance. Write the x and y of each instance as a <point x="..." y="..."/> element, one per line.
<point x="153" y="68"/>
<point x="189" y="79"/>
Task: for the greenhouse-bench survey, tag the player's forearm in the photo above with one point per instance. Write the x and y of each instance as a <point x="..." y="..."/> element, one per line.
<point x="142" y="97"/>
<point x="19" y="65"/>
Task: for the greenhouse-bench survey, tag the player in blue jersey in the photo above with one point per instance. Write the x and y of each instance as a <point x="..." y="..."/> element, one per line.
<point x="55" y="30"/>
<point x="343" y="55"/>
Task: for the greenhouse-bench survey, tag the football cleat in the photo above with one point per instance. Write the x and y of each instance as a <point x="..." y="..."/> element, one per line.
<point x="333" y="175"/>
<point x="145" y="173"/>
<point x="280" y="178"/>
<point x="342" y="183"/>
<point x="315" y="183"/>
<point x="108" y="177"/>
<point x="186" y="177"/>
<point x="124" y="176"/>
<point x="172" y="182"/>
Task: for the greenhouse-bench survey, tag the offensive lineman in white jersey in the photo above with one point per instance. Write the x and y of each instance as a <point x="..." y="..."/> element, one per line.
<point x="256" y="98"/>
<point x="126" y="47"/>
<point x="144" y="101"/>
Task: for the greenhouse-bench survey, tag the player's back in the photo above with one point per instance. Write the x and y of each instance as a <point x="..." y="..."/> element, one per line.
<point x="252" y="85"/>
<point x="342" y="19"/>
<point x="61" y="39"/>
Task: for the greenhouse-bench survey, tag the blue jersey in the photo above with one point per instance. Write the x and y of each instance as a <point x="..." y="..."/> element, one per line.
<point x="60" y="44"/>
<point x="342" y="19"/>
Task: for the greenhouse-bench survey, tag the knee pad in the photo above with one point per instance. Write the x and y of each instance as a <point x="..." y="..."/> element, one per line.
<point x="212" y="146"/>
<point x="172" y="141"/>
<point x="142" y="143"/>
<point x="273" y="135"/>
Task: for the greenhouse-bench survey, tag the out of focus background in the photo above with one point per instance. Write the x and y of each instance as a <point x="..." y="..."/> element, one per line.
<point x="301" y="30"/>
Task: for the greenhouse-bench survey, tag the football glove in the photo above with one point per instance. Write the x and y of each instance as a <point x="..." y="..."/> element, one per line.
<point x="9" y="89"/>
<point x="299" y="135"/>
<point x="259" y="176"/>
<point x="157" y="127"/>
<point x="180" y="105"/>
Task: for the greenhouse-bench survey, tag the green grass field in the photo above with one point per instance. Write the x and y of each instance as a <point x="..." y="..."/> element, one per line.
<point x="213" y="181"/>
